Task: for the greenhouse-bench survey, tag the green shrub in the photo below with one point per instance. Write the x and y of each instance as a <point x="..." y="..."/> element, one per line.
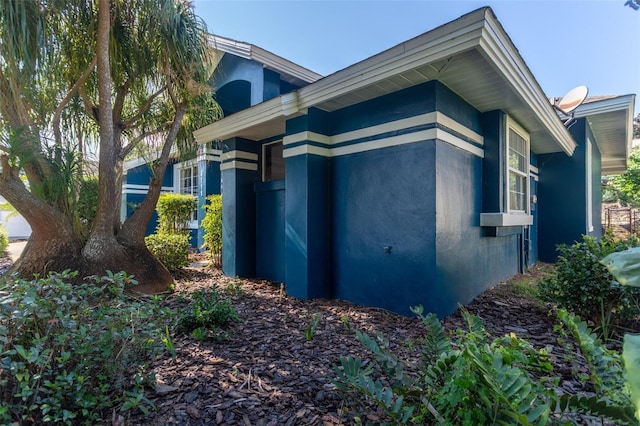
<point x="212" y="226"/>
<point x="170" y="249"/>
<point x="477" y="381"/>
<point x="582" y="285"/>
<point x="4" y="239"/>
<point x="174" y="213"/>
<point x="72" y="354"/>
<point x="87" y="202"/>
<point x="208" y="311"/>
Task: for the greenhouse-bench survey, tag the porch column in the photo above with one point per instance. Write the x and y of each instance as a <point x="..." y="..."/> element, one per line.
<point x="208" y="182"/>
<point x="239" y="172"/>
<point x="307" y="204"/>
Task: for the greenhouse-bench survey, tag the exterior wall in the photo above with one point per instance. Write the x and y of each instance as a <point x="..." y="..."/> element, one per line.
<point x="383" y="231"/>
<point x="467" y="262"/>
<point x="270" y="230"/>
<point x="563" y="195"/>
<point x="404" y="204"/>
<point x="239" y="173"/>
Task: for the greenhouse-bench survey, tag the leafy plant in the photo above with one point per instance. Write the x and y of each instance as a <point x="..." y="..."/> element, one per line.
<point x="470" y="381"/>
<point x="174" y="213"/>
<point x="313" y="325"/>
<point x="583" y="285"/>
<point x="625" y="267"/>
<point x="210" y="311"/>
<point x="212" y="226"/>
<point x="4" y="239"/>
<point x="87" y="202"/>
<point x="72" y="354"/>
<point x="170" y="249"/>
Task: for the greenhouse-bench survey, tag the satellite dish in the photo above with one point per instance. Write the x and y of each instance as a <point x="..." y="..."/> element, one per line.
<point x="570" y="102"/>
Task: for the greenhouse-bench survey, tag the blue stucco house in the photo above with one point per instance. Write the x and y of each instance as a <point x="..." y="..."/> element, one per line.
<point x="422" y="175"/>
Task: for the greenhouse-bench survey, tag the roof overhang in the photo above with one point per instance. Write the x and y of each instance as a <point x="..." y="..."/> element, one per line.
<point x="472" y="55"/>
<point x="289" y="71"/>
<point x="611" y="121"/>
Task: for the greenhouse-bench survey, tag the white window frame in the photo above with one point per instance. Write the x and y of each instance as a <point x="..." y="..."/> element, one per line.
<point x="513" y="126"/>
<point x="264" y="156"/>
<point x="178" y="189"/>
<point x="510" y="217"/>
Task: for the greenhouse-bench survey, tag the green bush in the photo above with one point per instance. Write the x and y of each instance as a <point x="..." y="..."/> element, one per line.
<point x="212" y="226"/>
<point x="170" y="249"/>
<point x="174" y="213"/>
<point x="87" y="202"/>
<point x="208" y="311"/>
<point x="72" y="354"/>
<point x="582" y="285"/>
<point x="4" y="239"/>
<point x="476" y="381"/>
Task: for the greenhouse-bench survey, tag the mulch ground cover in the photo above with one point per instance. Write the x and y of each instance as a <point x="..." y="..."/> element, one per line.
<point x="269" y="372"/>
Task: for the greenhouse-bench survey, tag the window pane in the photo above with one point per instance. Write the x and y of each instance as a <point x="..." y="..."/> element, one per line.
<point x="274" y="162"/>
<point x="517" y="152"/>
<point x="517" y="192"/>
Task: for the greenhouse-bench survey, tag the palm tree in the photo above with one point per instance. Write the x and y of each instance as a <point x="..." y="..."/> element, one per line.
<point x="129" y="75"/>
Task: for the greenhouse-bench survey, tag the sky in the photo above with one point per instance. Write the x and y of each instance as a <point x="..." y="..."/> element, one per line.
<point x="565" y="43"/>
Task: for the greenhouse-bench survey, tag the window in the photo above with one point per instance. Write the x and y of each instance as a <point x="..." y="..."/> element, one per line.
<point x="272" y="161"/>
<point x="189" y="180"/>
<point x="186" y="182"/>
<point x="518" y="170"/>
<point x="513" y="183"/>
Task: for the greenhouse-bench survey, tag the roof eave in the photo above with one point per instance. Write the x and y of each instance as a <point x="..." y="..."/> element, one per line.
<point x="477" y="30"/>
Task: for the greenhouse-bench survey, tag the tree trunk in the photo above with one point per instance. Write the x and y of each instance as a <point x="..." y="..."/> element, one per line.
<point x="55" y="244"/>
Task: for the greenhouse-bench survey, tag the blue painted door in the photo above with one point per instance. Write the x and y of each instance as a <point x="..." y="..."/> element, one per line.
<point x="270" y="258"/>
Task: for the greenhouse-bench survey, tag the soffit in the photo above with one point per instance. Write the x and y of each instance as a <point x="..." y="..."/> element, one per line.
<point x="611" y="121"/>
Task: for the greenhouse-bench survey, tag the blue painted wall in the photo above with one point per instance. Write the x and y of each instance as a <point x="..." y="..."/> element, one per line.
<point x="385" y="198"/>
<point x="467" y="262"/>
<point x="307" y="227"/>
<point x="239" y="214"/>
<point x="405" y="219"/>
<point x="270" y="219"/>
<point x="563" y="195"/>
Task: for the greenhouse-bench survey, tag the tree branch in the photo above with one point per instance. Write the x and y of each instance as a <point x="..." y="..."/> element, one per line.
<point x="89" y="107"/>
<point x="132" y="121"/>
<point x="131" y="145"/>
<point x="133" y="229"/>
<point x="63" y="103"/>
<point x="118" y="105"/>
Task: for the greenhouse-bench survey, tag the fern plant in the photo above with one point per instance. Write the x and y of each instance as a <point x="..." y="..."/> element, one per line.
<point x="477" y="380"/>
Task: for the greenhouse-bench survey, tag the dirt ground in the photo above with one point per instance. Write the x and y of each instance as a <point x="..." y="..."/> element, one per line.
<point x="268" y="373"/>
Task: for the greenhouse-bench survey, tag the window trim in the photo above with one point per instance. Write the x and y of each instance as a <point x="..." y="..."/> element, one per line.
<point x="177" y="185"/>
<point x="516" y="128"/>
<point x="509" y="217"/>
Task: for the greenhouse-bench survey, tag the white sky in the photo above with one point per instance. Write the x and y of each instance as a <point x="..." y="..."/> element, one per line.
<point x="564" y="43"/>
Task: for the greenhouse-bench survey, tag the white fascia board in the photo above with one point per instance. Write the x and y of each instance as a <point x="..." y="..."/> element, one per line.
<point x="282" y="106"/>
<point x="497" y="46"/>
<point x="411" y="54"/>
<point x="282" y="65"/>
<point x="268" y="59"/>
<point x="619" y="103"/>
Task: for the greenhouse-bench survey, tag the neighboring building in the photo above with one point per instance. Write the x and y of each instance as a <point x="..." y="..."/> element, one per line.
<point x="422" y="175"/>
<point x="16" y="225"/>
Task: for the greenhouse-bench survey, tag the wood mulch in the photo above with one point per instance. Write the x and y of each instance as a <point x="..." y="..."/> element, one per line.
<point x="268" y="373"/>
